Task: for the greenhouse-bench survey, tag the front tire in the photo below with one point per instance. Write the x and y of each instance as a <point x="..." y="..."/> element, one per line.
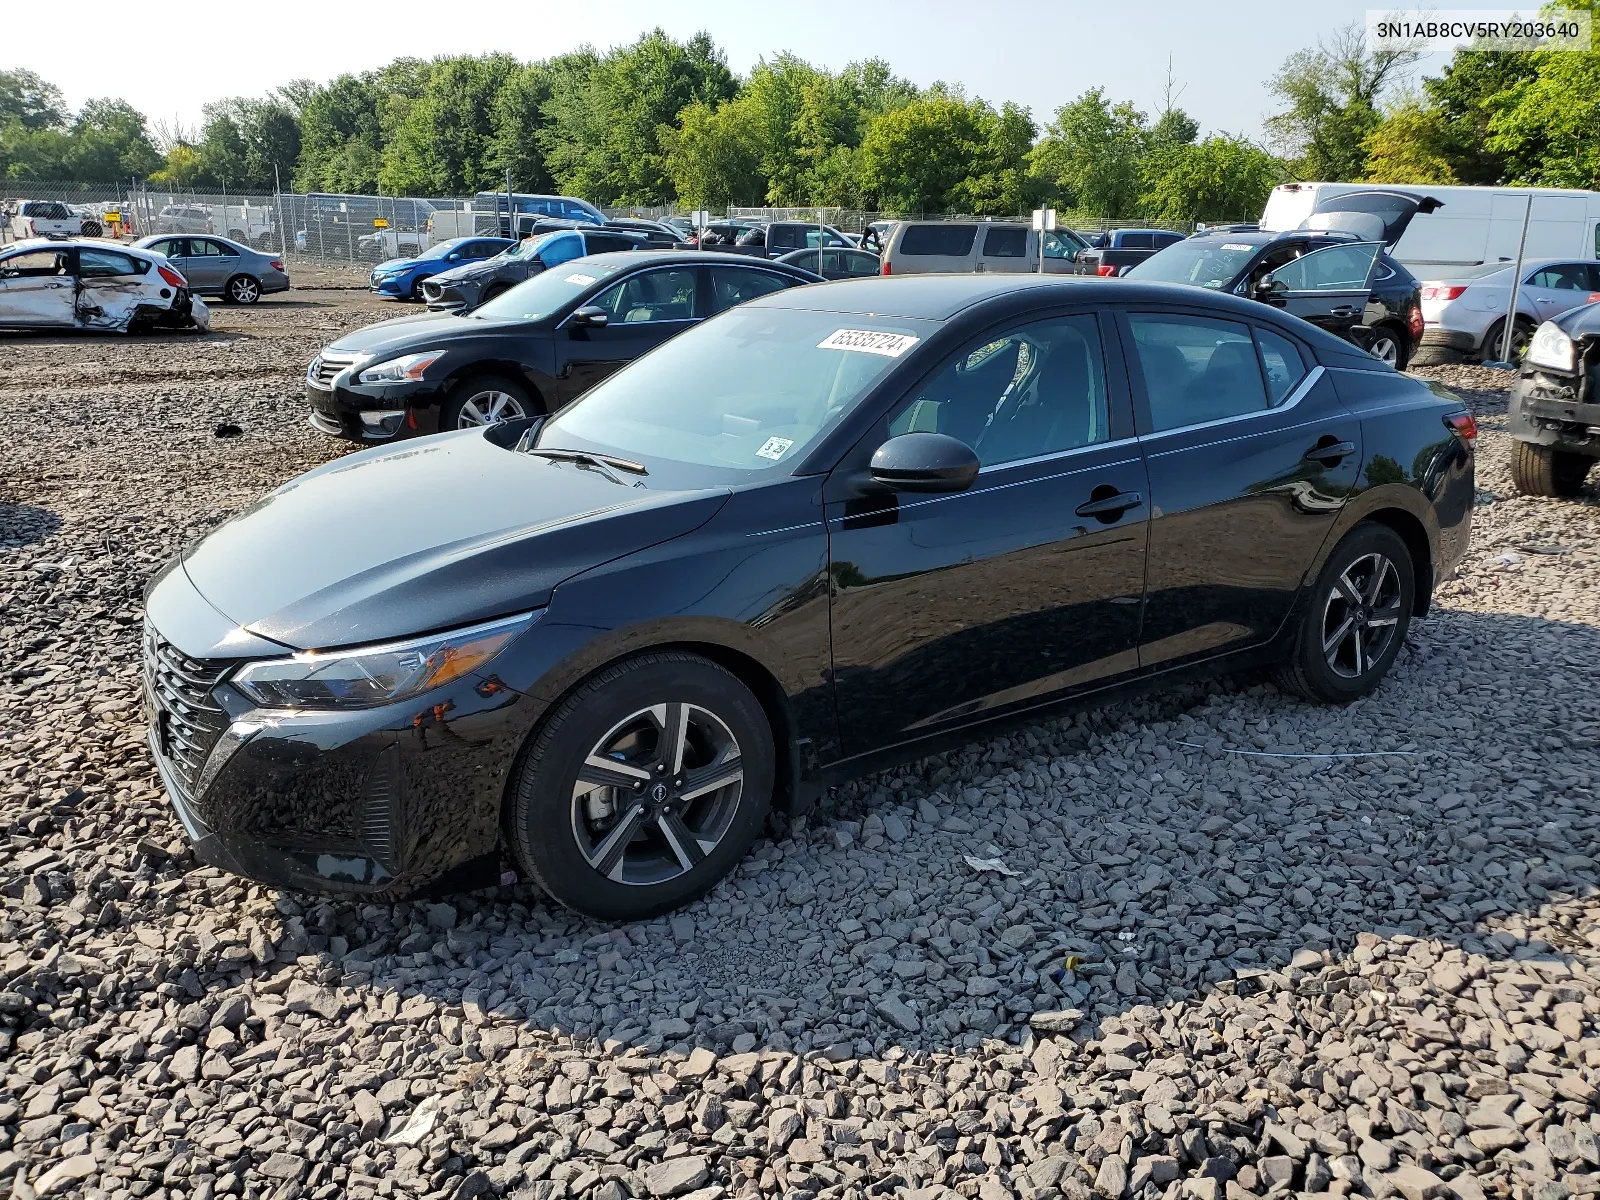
<point x="1357" y="618"/>
<point x="1546" y="471"/>
<point x="486" y="400"/>
<point x="242" y="289"/>
<point x="644" y="788"/>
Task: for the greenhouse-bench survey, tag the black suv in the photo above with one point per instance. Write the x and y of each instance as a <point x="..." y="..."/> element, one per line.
<point x="1334" y="270"/>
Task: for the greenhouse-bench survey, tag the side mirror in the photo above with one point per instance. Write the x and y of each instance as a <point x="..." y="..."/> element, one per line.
<point x="452" y="257"/>
<point x="591" y="315"/>
<point x="924" y="462"/>
<point x="1271" y="285"/>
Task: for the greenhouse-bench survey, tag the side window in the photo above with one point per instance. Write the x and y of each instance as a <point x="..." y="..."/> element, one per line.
<point x="833" y="261"/>
<point x="202" y="248"/>
<point x="222" y="249"/>
<point x="171" y="247"/>
<point x="1196" y="369"/>
<point x="1138" y="241"/>
<point x="34" y="263"/>
<point x="786" y="237"/>
<point x="1037" y="389"/>
<point x="862" y="264"/>
<point x="651" y="296"/>
<point x="1056" y="246"/>
<point x="1565" y="277"/>
<point x="105" y="264"/>
<point x="1000" y="242"/>
<point x="562" y="248"/>
<point x="1281" y="362"/>
<point x="1163" y="240"/>
<point x="732" y="286"/>
<point x="1332" y="268"/>
<point x="947" y="240"/>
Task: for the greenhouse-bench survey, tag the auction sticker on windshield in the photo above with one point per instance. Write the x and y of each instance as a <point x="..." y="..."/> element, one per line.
<point x="774" y="448"/>
<point x="1237" y="246"/>
<point x="869" y="341"/>
<point x="580" y="279"/>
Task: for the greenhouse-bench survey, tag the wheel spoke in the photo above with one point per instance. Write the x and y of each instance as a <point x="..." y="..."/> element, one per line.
<point x="674" y="722"/>
<point x="1361" y="653"/>
<point x="608" y="772"/>
<point x="1350" y="593"/>
<point x="608" y="856"/>
<point x="1385" y="616"/>
<point x="1330" y="646"/>
<point x="497" y="405"/>
<point x="1380" y="572"/>
<point x="690" y="850"/>
<point x="708" y="779"/>
<point x="471" y="413"/>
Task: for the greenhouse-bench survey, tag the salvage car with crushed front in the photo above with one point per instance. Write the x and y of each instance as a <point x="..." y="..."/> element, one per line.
<point x="1555" y="406"/>
<point x="833" y="527"/>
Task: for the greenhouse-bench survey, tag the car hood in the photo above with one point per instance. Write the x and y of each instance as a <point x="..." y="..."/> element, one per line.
<point x="444" y="531"/>
<point x="473" y="270"/>
<point x="399" y="264"/>
<point x="402" y="331"/>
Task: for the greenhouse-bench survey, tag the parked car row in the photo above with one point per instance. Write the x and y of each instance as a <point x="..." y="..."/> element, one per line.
<point x="831" y="527"/>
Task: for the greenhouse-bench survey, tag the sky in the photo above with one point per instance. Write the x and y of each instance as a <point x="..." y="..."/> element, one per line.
<point x="1039" y="56"/>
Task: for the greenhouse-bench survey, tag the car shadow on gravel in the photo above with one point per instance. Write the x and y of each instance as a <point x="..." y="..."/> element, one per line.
<point x="25" y="524"/>
<point x="1143" y="854"/>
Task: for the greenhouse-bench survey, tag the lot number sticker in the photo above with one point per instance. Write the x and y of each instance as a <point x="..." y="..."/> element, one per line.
<point x="1237" y="246"/>
<point x="580" y="279"/>
<point x="869" y="341"/>
<point x="774" y="448"/>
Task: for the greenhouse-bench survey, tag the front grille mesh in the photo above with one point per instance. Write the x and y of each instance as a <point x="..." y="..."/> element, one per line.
<point x="190" y="718"/>
<point x="325" y="366"/>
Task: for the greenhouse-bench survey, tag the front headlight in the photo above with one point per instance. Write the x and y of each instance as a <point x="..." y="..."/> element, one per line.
<point x="406" y="369"/>
<point x="372" y="675"/>
<point x="1551" y="347"/>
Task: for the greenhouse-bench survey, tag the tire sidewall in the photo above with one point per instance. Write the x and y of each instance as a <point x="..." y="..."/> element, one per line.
<point x="450" y="415"/>
<point x="1325" y="682"/>
<point x="540" y="817"/>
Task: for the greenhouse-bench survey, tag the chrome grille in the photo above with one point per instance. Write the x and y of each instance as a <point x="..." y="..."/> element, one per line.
<point x="188" y="718"/>
<point x="326" y="365"/>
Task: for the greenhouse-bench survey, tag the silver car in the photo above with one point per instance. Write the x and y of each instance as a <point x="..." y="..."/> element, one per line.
<point x="1464" y="308"/>
<point x="219" y="266"/>
<point x="184" y="218"/>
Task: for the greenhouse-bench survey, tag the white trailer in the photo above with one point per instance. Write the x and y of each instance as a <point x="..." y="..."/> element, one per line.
<point x="1473" y="225"/>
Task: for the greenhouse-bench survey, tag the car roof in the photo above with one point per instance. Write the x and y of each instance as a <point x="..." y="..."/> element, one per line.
<point x="75" y="244"/>
<point x="634" y="258"/>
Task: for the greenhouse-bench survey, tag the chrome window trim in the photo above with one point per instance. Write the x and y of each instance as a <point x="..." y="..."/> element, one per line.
<point x="1290" y="401"/>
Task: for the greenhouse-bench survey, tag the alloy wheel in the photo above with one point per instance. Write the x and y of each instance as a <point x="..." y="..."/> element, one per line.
<point x="489" y="408"/>
<point x="1386" y="349"/>
<point x="1360" y="615"/>
<point x="657" y="793"/>
<point x="244" y="291"/>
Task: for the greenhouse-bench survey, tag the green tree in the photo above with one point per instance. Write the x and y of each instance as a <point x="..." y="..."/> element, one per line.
<point x="1463" y="97"/>
<point x="181" y="172"/>
<point x="341" y="137"/>
<point x="1332" y="93"/>
<point x="1093" y="154"/>
<point x="1413" y="145"/>
<point x="108" y="141"/>
<point x="30" y="102"/>
<point x="713" y="155"/>
<point x="945" y="153"/>
<point x="1547" y="127"/>
<point x="518" y="120"/>
<point x="1220" y="179"/>
<point x="446" y="142"/>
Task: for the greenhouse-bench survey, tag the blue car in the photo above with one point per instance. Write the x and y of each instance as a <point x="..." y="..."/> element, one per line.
<point x="401" y="278"/>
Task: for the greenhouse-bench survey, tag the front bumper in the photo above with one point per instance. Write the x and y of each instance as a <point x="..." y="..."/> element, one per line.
<point x="458" y="296"/>
<point x="370" y="413"/>
<point x="396" y="287"/>
<point x="1559" y="411"/>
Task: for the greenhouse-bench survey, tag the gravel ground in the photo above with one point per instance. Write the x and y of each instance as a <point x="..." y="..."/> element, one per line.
<point x="1195" y="970"/>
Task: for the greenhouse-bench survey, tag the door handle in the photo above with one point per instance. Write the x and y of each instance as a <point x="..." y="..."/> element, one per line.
<point x="1329" y="453"/>
<point x="1343" y="310"/>
<point x="1110" y="506"/>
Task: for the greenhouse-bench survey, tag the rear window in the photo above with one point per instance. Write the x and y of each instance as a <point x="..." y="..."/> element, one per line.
<point x="1005" y="243"/>
<point x="950" y="240"/>
<point x="46" y="210"/>
<point x="1137" y="241"/>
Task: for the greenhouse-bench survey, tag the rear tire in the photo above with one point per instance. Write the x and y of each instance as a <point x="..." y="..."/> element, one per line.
<point x="242" y="289"/>
<point x="486" y="400"/>
<point x="1521" y="335"/>
<point x="1546" y="471"/>
<point x="618" y="818"/>
<point x="1389" y="345"/>
<point x="1356" y="620"/>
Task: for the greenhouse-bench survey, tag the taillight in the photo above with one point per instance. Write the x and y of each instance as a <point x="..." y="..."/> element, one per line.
<point x="33" y="230"/>
<point x="1464" y="427"/>
<point x="1414" y="321"/>
<point x="886" y="266"/>
<point x="172" y="277"/>
<point x="1105" y="269"/>
<point x="1443" y="291"/>
<point x="277" y="264"/>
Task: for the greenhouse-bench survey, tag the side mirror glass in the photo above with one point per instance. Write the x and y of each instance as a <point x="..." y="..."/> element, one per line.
<point x="1271" y="285"/>
<point x="591" y="315"/>
<point x="925" y="462"/>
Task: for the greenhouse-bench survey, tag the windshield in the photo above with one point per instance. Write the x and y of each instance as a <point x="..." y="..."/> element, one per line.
<point x="545" y="293"/>
<point x="1200" y="261"/>
<point x="749" y="392"/>
<point x="528" y="247"/>
<point x="441" y="249"/>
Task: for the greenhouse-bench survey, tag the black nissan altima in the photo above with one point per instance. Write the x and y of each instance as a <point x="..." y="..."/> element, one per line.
<point x="529" y="350"/>
<point x="834" y="527"/>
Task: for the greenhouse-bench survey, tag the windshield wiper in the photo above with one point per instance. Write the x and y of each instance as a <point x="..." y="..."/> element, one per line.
<point x="601" y="462"/>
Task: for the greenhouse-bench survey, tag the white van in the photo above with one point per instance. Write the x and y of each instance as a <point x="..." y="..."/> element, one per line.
<point x="1472" y="225"/>
<point x="918" y="247"/>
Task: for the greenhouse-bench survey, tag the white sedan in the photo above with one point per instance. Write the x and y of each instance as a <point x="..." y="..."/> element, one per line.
<point x="94" y="285"/>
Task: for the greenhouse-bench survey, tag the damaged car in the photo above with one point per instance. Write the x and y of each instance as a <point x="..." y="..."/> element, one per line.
<point x="461" y="289"/>
<point x="92" y="285"/>
<point x="1555" y="406"/>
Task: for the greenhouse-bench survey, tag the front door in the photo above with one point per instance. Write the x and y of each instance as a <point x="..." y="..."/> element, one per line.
<point x="642" y="311"/>
<point x="37" y="287"/>
<point x="1330" y="287"/>
<point x="1251" y="456"/>
<point x="950" y="608"/>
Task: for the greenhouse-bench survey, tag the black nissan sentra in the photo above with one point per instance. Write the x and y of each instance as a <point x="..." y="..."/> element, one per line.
<point x="834" y="527"/>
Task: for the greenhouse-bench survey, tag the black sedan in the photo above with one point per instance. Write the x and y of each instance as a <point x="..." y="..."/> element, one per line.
<point x="529" y="350"/>
<point x="835" y="527"/>
<point x="1555" y="406"/>
<point x="835" y="263"/>
<point x="461" y="289"/>
<point x="1333" y="270"/>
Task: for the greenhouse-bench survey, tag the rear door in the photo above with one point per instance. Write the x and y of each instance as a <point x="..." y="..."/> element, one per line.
<point x="1331" y="287"/>
<point x="1250" y="456"/>
<point x="642" y="311"/>
<point x="223" y="261"/>
<point x="1004" y="250"/>
<point x="37" y="288"/>
<point x="917" y="246"/>
<point x="1551" y="290"/>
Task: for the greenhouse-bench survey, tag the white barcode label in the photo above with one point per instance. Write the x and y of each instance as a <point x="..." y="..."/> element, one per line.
<point x="869" y="341"/>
